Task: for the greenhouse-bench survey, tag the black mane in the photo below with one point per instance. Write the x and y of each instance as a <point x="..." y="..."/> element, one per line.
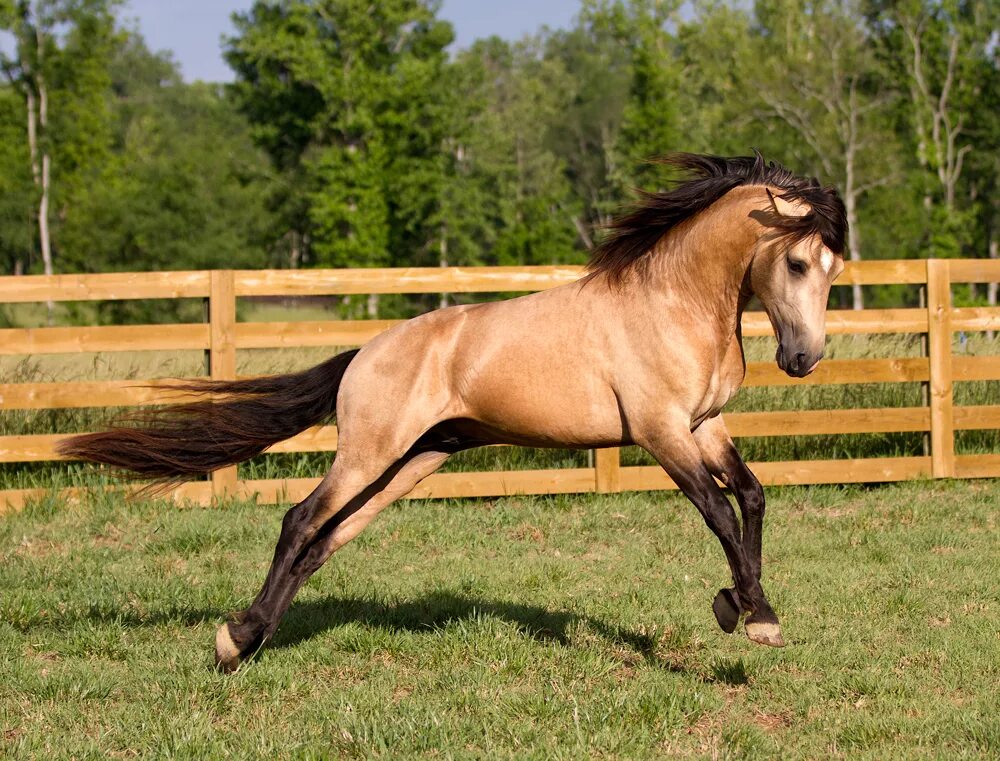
<point x="634" y="235"/>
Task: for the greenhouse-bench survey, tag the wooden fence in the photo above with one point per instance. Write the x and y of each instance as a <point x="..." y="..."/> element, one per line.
<point x="222" y="336"/>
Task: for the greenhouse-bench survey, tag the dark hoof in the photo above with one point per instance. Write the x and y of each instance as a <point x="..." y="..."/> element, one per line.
<point x="726" y="607"/>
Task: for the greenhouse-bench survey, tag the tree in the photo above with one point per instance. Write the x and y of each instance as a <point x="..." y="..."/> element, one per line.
<point x="940" y="50"/>
<point x="836" y="101"/>
<point x="650" y="120"/>
<point x="512" y="182"/>
<point x="17" y="193"/>
<point x="800" y="80"/>
<point x="328" y="87"/>
<point x="60" y="70"/>
<point x="585" y="134"/>
<point x="184" y="191"/>
<point x="32" y="30"/>
<point x="716" y="111"/>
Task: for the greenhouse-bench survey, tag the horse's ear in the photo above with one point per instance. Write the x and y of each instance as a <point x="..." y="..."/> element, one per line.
<point x="784" y="208"/>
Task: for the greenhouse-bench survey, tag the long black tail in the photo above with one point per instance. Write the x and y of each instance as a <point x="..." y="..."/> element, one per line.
<point x="170" y="443"/>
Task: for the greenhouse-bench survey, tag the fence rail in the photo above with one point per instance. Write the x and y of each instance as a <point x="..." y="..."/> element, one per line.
<point x="222" y="337"/>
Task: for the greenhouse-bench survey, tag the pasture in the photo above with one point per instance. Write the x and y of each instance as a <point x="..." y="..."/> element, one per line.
<point x="544" y="627"/>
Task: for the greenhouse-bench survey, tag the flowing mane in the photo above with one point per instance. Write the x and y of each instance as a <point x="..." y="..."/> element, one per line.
<point x="632" y="236"/>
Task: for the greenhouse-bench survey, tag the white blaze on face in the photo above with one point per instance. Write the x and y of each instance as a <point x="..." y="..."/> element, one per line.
<point x="826" y="260"/>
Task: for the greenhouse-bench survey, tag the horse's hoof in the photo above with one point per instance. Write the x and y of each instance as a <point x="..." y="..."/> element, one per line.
<point x="726" y="607"/>
<point x="227" y="655"/>
<point x="765" y="634"/>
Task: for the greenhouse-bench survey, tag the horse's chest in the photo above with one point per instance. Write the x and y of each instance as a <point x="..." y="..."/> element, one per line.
<point x="723" y="384"/>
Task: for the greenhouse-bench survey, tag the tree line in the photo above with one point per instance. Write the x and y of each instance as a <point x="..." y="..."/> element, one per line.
<point x="355" y="135"/>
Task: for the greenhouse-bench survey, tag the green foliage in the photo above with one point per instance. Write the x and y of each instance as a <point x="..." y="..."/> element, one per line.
<point x="651" y="117"/>
<point x="514" y="202"/>
<point x="942" y="54"/>
<point x="364" y="84"/>
<point x="147" y="172"/>
<point x="17" y="192"/>
<point x="598" y="78"/>
<point x="184" y="193"/>
<point x="354" y="136"/>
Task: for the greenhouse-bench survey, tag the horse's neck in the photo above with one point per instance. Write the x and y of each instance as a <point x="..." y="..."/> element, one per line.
<point x="705" y="262"/>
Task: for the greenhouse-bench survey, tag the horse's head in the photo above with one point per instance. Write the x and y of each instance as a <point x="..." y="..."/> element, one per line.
<point x="791" y="274"/>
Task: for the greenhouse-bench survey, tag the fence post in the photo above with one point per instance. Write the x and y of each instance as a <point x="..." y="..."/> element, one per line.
<point x="939" y="335"/>
<point x="222" y="354"/>
<point x="925" y="386"/>
<point x="607" y="470"/>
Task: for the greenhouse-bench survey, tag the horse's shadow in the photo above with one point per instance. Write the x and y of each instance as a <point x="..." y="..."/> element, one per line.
<point x="435" y="611"/>
<point x="428" y="613"/>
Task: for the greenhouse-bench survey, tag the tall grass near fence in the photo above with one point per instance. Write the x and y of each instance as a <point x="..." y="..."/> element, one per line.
<point x="141" y="365"/>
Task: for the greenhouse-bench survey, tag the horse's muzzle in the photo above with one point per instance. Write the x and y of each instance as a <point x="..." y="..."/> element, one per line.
<point x="795" y="361"/>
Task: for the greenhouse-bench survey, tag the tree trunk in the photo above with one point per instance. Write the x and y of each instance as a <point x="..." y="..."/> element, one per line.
<point x="991" y="288"/>
<point x="443" y="262"/>
<point x="850" y="204"/>
<point x="44" y="175"/>
<point x="43" y="228"/>
<point x="581" y="230"/>
<point x="36" y="172"/>
<point x="994" y="253"/>
<point x="41" y="171"/>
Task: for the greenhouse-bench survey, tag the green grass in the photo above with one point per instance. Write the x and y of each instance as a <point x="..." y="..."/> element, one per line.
<point x="561" y="627"/>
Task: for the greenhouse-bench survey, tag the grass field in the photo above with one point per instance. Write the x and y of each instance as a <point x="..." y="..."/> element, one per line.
<point x="561" y="627"/>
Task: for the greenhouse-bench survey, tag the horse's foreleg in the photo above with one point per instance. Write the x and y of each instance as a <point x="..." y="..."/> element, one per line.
<point x="311" y="532"/>
<point x="725" y="463"/>
<point x="677" y="451"/>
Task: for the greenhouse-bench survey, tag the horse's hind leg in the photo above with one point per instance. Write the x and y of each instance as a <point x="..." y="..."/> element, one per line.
<point x="336" y="512"/>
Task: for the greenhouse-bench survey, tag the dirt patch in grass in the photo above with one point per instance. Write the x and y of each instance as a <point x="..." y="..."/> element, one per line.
<point x="771" y="722"/>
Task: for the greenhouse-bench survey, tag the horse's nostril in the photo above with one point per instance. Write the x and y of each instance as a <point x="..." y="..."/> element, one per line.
<point x="800" y="359"/>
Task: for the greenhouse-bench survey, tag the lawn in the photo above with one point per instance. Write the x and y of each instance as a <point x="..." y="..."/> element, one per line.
<point x="561" y="627"/>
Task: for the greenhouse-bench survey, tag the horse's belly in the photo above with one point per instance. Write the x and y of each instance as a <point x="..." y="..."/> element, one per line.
<point x="547" y="418"/>
<point x="530" y="409"/>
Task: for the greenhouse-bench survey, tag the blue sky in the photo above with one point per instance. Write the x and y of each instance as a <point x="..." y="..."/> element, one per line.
<point x="192" y="29"/>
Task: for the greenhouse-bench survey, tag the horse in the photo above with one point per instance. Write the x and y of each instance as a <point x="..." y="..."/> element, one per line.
<point x="645" y="349"/>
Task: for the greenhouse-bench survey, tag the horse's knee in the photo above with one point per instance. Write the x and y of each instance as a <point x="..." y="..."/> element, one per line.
<point x="293" y="520"/>
<point x="749" y="493"/>
<point x="753" y="498"/>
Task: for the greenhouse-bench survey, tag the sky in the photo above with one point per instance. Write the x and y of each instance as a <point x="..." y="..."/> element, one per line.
<point x="193" y="29"/>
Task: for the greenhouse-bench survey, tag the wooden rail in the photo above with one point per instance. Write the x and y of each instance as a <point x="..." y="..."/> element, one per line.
<point x="221" y="337"/>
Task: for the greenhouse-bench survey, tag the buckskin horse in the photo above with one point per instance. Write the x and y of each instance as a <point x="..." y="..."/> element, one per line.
<point x="645" y="349"/>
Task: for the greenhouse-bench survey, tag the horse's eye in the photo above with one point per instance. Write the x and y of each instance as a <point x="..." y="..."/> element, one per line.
<point x="797" y="266"/>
